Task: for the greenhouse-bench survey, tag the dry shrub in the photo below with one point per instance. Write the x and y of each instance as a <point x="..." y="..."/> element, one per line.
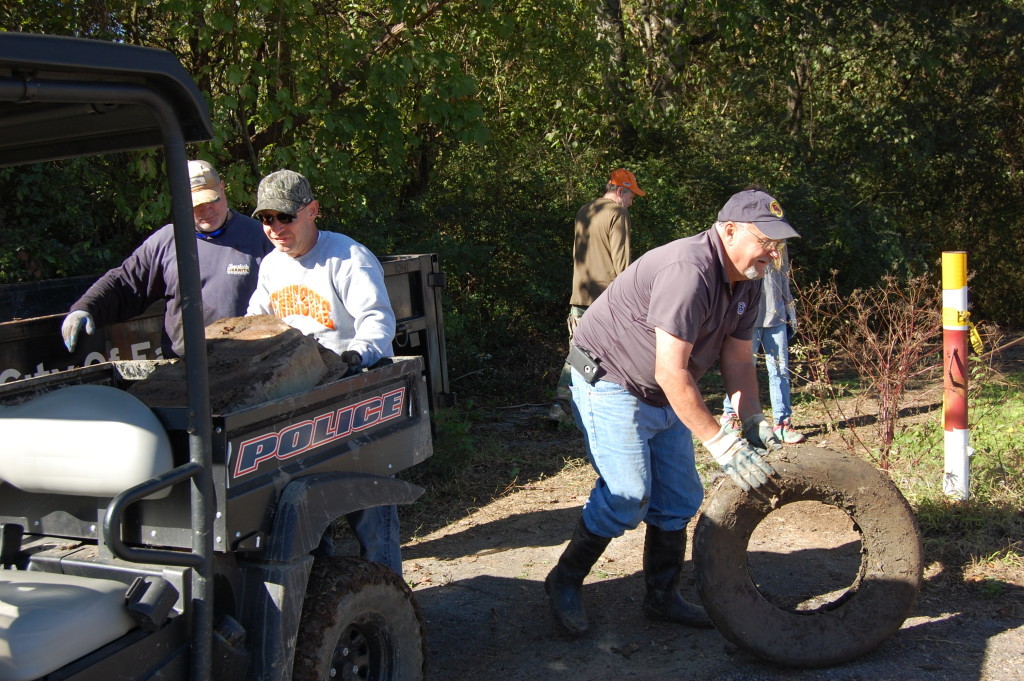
<point x="883" y="338"/>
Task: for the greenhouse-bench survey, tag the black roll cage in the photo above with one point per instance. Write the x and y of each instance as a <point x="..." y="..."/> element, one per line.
<point x="65" y="97"/>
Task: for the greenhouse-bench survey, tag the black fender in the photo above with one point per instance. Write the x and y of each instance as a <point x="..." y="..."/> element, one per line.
<point x="874" y="607"/>
<point x="308" y="505"/>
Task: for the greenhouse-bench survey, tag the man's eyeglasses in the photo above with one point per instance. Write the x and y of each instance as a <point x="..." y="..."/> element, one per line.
<point x="773" y="245"/>
<point x="268" y="219"/>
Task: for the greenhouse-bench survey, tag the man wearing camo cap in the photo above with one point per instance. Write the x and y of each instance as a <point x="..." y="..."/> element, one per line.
<point x="331" y="287"/>
<point x="230" y="248"/>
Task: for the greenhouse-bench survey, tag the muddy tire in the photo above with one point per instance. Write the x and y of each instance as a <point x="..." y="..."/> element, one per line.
<point x="872" y="608"/>
<point x="359" y="623"/>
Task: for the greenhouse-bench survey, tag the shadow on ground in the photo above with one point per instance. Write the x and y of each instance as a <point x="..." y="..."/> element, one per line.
<point x="488" y="617"/>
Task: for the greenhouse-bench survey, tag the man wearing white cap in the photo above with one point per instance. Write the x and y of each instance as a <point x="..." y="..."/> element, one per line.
<point x="230" y="245"/>
<point x="636" y="357"/>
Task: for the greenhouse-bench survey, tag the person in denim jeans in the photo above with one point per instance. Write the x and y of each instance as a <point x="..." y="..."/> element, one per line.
<point x="332" y="288"/>
<point x="776" y="323"/>
<point x="638" y="354"/>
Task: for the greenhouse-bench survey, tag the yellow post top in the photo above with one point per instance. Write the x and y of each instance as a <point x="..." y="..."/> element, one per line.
<point x="954" y="270"/>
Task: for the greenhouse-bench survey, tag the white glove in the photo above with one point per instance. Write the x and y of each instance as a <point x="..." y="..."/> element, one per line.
<point x="744" y="463"/>
<point x="73" y="324"/>
<point x="760" y="433"/>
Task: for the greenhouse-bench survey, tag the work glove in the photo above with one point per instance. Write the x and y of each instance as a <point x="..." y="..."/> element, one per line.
<point x="744" y="463"/>
<point x="353" y="359"/>
<point x="760" y="433"/>
<point x="73" y="324"/>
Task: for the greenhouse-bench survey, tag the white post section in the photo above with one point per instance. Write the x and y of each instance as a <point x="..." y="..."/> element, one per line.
<point x="955" y="326"/>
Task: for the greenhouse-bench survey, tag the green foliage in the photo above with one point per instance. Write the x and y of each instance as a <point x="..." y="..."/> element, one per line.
<point x="62" y="219"/>
<point x="889" y="131"/>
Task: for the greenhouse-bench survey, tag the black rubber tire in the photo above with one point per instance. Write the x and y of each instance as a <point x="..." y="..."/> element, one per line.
<point x="359" y="622"/>
<point x="874" y="607"/>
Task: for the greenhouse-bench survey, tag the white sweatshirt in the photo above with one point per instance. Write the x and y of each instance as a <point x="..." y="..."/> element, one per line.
<point x="335" y="293"/>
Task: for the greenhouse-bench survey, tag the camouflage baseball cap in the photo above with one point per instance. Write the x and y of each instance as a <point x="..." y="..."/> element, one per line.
<point x="284" y="191"/>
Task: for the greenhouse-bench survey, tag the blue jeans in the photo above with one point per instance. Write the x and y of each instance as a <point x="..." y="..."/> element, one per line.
<point x="376" y="530"/>
<point x="644" y="460"/>
<point x="775" y="341"/>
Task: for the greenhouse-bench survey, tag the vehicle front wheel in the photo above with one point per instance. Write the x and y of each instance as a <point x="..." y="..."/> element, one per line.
<point x="359" y="623"/>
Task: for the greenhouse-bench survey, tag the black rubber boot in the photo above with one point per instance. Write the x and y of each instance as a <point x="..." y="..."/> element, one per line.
<point x="663" y="563"/>
<point x="565" y="581"/>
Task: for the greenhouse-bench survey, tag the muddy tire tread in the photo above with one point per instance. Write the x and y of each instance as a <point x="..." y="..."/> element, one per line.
<point x="881" y="597"/>
<point x="342" y="588"/>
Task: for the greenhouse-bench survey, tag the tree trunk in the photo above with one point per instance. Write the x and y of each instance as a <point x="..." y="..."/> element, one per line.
<point x="617" y="75"/>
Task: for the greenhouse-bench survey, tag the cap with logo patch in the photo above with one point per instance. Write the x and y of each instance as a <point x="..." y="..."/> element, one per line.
<point x="621" y="177"/>
<point x="759" y="208"/>
<point x="205" y="183"/>
<point x="285" y="191"/>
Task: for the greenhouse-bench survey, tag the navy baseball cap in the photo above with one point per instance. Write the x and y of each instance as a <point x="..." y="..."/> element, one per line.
<point x="759" y="208"/>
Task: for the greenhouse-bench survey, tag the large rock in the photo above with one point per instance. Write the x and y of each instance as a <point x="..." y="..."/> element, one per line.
<point x="250" y="360"/>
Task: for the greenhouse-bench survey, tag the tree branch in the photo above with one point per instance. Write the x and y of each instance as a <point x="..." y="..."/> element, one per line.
<point x="394" y="37"/>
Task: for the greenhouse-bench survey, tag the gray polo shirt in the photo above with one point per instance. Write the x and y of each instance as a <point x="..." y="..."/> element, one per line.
<point x="680" y="287"/>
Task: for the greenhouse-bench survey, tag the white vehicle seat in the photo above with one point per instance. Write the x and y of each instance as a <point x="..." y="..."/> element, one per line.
<point x="48" y="620"/>
<point x="86" y="440"/>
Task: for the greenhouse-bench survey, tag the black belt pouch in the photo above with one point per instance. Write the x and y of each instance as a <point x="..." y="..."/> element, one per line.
<point x="580" y="360"/>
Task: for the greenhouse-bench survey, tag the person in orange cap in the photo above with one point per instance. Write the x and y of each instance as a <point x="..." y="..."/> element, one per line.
<point x="600" y="251"/>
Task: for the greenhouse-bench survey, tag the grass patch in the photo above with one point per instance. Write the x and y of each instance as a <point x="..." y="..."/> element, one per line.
<point x="455" y="447"/>
<point x="447" y="476"/>
<point x="980" y="536"/>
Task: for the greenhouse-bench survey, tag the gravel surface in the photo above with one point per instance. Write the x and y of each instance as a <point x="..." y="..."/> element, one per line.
<point x="479" y="583"/>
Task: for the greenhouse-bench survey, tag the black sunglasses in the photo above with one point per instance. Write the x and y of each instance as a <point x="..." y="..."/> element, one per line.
<point x="283" y="218"/>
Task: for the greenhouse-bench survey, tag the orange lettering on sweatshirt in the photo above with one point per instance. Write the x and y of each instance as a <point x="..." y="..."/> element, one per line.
<point x="300" y="300"/>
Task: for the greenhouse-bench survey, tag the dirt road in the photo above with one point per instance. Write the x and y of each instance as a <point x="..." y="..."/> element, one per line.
<point x="479" y="582"/>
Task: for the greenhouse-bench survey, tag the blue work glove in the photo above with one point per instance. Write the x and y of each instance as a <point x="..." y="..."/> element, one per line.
<point x="73" y="324"/>
<point x="760" y="433"/>
<point x="744" y="463"/>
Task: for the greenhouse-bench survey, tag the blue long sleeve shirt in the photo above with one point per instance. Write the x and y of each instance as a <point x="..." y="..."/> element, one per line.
<point x="228" y="268"/>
